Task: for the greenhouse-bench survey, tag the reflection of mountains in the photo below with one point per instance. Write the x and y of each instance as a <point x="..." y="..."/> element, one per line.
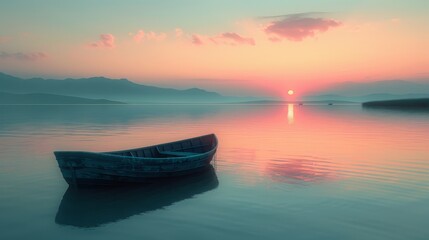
<point x="295" y="170"/>
<point x="93" y="207"/>
<point x="116" y="114"/>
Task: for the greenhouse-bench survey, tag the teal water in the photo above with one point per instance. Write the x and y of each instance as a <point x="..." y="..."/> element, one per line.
<point x="281" y="172"/>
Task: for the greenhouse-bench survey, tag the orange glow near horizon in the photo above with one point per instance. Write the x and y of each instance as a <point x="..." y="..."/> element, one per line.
<point x="355" y="50"/>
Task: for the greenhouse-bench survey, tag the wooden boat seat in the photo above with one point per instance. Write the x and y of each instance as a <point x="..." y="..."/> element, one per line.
<point x="177" y="154"/>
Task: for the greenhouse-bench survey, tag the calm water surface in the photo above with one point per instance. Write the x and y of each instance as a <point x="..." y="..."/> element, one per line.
<point x="281" y="172"/>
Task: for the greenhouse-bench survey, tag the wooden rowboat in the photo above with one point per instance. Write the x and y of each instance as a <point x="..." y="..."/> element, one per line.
<point x="146" y="164"/>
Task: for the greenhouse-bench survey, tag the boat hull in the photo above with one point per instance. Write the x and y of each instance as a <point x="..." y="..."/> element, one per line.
<point x="88" y="168"/>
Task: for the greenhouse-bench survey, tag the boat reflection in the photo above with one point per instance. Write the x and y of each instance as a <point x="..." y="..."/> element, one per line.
<point x="92" y="207"/>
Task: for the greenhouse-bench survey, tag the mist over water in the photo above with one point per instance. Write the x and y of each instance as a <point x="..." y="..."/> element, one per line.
<point x="281" y="171"/>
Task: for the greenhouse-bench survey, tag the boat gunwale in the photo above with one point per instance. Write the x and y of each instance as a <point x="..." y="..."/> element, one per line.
<point x="110" y="153"/>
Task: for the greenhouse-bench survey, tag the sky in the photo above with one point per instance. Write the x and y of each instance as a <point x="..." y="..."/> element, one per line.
<point x="240" y="47"/>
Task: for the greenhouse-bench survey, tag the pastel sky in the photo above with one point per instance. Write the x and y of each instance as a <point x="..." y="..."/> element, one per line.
<point x="241" y="46"/>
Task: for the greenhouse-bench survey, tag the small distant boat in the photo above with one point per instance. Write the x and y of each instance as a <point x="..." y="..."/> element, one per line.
<point x="144" y="164"/>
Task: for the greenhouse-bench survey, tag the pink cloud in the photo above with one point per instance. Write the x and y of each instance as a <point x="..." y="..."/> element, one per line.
<point x="233" y="39"/>
<point x="141" y="35"/>
<point x="156" y="36"/>
<point x="298" y="27"/>
<point x="31" y="56"/>
<point x="228" y="38"/>
<point x="179" y="32"/>
<point x="105" y="40"/>
<point x="196" y="40"/>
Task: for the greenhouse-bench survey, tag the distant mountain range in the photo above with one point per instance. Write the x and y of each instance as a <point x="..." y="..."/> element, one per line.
<point x="372" y="91"/>
<point x="101" y="90"/>
<point x="42" y="98"/>
<point x="120" y="90"/>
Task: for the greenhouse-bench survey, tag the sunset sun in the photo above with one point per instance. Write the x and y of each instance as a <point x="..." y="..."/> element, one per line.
<point x="290" y="92"/>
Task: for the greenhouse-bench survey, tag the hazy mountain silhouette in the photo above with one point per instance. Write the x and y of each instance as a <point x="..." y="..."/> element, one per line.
<point x="43" y="98"/>
<point x="121" y="90"/>
<point x="373" y="91"/>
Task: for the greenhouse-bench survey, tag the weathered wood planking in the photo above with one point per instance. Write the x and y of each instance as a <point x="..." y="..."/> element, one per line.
<point x="137" y="165"/>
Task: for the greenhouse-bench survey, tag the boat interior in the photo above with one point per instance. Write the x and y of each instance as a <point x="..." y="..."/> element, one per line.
<point x="182" y="148"/>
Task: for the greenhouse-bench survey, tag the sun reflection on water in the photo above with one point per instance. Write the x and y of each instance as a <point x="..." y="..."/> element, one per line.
<point x="290" y="114"/>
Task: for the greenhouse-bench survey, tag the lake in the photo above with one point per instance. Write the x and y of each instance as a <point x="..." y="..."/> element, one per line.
<point x="281" y="172"/>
